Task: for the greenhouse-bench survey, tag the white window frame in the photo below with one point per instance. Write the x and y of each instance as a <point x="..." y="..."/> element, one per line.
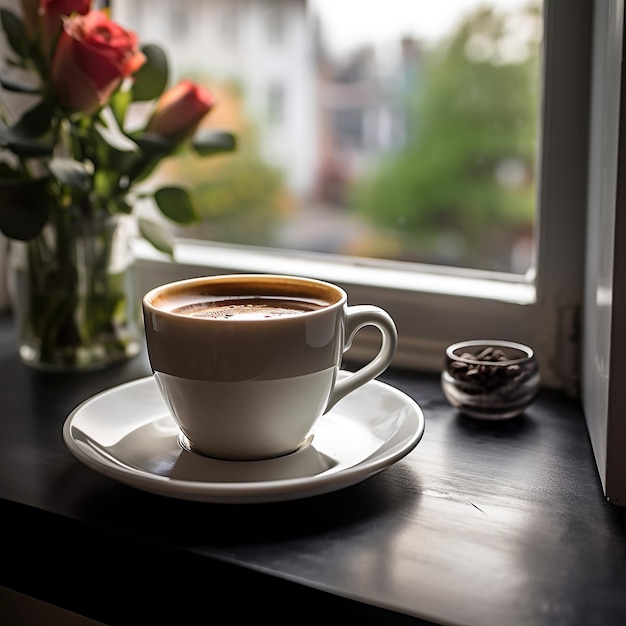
<point x="435" y="306"/>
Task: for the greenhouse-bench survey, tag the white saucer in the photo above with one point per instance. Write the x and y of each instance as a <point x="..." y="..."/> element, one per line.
<point x="127" y="434"/>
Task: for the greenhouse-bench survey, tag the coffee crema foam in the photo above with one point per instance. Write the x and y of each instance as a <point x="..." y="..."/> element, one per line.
<point x="243" y="308"/>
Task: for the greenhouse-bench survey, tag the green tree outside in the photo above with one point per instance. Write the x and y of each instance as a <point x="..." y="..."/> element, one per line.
<point x="466" y="175"/>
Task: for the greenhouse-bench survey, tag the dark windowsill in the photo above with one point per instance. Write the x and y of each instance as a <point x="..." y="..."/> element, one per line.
<point x="481" y="524"/>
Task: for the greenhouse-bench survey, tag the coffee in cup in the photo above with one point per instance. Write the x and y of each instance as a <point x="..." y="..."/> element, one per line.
<point x="247" y="363"/>
<point x="242" y="307"/>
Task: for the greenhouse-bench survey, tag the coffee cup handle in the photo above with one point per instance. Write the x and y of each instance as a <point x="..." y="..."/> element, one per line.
<point x="357" y="317"/>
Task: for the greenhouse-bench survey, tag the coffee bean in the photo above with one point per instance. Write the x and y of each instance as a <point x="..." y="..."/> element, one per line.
<point x="483" y="375"/>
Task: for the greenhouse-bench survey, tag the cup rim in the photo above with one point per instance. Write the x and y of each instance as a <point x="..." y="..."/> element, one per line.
<point x="179" y="285"/>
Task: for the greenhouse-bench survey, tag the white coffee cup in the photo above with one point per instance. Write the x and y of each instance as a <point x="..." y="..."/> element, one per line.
<point x="247" y="363"/>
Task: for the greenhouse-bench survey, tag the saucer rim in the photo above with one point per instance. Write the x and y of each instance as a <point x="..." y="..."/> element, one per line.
<point x="246" y="491"/>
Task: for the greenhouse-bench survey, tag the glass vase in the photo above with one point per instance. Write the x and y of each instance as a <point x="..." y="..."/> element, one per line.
<point x="74" y="295"/>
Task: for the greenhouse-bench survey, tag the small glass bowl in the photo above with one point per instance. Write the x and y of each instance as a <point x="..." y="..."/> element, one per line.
<point x="490" y="379"/>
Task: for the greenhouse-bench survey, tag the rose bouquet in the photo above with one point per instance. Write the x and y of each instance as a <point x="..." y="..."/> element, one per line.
<point x="99" y="118"/>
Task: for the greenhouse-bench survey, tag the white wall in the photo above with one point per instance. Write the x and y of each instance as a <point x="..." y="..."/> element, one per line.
<point x="603" y="369"/>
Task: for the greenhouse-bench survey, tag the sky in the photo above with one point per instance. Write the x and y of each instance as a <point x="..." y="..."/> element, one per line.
<point x="349" y="22"/>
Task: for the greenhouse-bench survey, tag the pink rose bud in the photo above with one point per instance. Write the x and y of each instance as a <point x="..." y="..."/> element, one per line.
<point x="92" y="57"/>
<point x="179" y="111"/>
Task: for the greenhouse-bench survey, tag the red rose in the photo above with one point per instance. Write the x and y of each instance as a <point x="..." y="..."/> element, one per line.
<point x="179" y="111"/>
<point x="92" y="57"/>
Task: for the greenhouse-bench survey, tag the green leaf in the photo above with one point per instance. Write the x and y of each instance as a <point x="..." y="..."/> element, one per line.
<point x="119" y="205"/>
<point x="113" y="150"/>
<point x="30" y="136"/>
<point x="151" y="78"/>
<point x="71" y="172"/>
<point x="153" y="149"/>
<point x="153" y="144"/>
<point x="17" y="86"/>
<point x="119" y="103"/>
<point x="23" y="147"/>
<point x="23" y="207"/>
<point x="112" y="134"/>
<point x="104" y="182"/>
<point x="15" y="32"/>
<point x="207" y="142"/>
<point x="175" y="203"/>
<point x="6" y="171"/>
<point x="35" y="122"/>
<point x="157" y="235"/>
<point x="142" y="169"/>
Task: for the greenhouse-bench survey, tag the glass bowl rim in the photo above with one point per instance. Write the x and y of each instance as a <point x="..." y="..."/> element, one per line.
<point x="490" y="343"/>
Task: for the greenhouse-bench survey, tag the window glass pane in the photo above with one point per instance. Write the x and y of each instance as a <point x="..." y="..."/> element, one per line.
<point x="378" y="128"/>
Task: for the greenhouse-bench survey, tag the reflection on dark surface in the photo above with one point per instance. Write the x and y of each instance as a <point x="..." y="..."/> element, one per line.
<point x="203" y="524"/>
